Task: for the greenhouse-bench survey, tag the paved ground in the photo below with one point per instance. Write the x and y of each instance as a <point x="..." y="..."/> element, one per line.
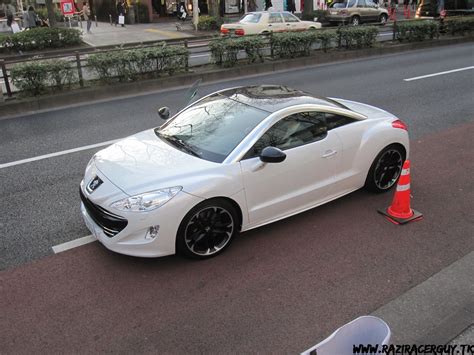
<point x="280" y="288"/>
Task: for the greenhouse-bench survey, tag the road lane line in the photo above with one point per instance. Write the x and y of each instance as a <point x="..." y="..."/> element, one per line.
<point x="51" y="155"/>
<point x="73" y="244"/>
<point x="440" y="73"/>
<point x="200" y="55"/>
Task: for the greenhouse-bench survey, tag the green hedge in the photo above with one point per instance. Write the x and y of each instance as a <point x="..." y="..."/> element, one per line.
<point x="224" y="51"/>
<point x="320" y="14"/>
<point x="209" y="23"/>
<point x="43" y="38"/>
<point x="129" y="65"/>
<point x="459" y="25"/>
<point x="34" y="78"/>
<point x="295" y="44"/>
<point x="350" y="37"/>
<point x="416" y="31"/>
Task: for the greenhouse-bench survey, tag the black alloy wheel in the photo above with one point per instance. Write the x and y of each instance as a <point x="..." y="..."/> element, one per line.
<point x="385" y="169"/>
<point x="207" y="229"/>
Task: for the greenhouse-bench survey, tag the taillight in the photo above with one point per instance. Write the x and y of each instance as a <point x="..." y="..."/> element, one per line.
<point x="239" y="32"/>
<point x="344" y="12"/>
<point x="399" y="124"/>
<point x="224" y="31"/>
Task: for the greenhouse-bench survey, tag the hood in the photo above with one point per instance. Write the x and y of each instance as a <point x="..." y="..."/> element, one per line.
<point x="144" y="162"/>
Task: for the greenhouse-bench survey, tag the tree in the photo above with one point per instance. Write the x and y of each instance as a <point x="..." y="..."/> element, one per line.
<point x="308" y="9"/>
<point x="51" y="15"/>
<point x="214" y="8"/>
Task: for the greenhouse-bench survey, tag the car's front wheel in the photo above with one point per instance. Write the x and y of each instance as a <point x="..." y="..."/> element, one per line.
<point x="355" y="21"/>
<point x="207" y="229"/>
<point x="383" y="19"/>
<point x="386" y="169"/>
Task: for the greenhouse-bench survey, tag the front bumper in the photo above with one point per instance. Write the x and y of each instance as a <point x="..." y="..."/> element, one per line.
<point x="132" y="240"/>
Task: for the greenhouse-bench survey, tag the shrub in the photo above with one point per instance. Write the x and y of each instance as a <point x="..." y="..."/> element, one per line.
<point x="224" y="51"/>
<point x="209" y="23"/>
<point x="294" y="44"/>
<point x="43" y="14"/>
<point x="321" y="15"/>
<point x="416" y="31"/>
<point x="459" y="25"/>
<point x="34" y="78"/>
<point x="129" y="65"/>
<point x="43" y="37"/>
<point x="350" y="37"/>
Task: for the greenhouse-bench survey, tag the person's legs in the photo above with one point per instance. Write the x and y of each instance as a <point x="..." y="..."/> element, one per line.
<point x="89" y="24"/>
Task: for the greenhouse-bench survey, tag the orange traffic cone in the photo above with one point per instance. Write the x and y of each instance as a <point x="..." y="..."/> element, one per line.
<point x="400" y="212"/>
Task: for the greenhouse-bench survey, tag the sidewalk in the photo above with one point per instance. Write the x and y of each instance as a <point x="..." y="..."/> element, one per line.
<point x="105" y="34"/>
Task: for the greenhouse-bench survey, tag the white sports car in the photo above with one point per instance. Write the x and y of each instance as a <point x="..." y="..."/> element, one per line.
<point x="265" y="22"/>
<point x="232" y="161"/>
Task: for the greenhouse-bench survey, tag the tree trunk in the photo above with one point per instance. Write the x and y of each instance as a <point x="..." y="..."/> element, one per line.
<point x="308" y="10"/>
<point x="51" y="15"/>
<point x="214" y="9"/>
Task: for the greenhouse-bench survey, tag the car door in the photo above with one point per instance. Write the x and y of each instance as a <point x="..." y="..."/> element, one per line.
<point x="275" y="22"/>
<point x="302" y="180"/>
<point x="363" y="11"/>
<point x="292" y="23"/>
<point x="372" y="10"/>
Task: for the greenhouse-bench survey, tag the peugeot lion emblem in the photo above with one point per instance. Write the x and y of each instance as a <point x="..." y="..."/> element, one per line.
<point x="94" y="184"/>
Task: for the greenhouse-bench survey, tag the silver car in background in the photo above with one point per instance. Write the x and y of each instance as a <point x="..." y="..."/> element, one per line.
<point x="355" y="12"/>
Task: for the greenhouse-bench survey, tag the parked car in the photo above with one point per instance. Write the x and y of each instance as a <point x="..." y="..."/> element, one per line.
<point x="266" y="22"/>
<point x="235" y="160"/>
<point x="355" y="12"/>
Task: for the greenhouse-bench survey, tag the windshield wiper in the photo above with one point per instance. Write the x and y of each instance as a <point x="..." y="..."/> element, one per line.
<point x="179" y="143"/>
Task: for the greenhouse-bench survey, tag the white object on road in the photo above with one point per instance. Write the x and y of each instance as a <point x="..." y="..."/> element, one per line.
<point x="365" y="330"/>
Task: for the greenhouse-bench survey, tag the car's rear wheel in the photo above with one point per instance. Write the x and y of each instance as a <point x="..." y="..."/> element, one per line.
<point x="355" y="21"/>
<point x="386" y="169"/>
<point x="383" y="19"/>
<point x="207" y="229"/>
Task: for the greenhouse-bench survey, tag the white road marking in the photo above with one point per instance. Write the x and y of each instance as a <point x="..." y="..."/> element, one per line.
<point x="73" y="244"/>
<point x="440" y="73"/>
<point x="200" y="55"/>
<point x="385" y="34"/>
<point x="51" y="155"/>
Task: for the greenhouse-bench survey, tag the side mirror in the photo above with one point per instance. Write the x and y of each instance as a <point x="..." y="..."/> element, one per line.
<point x="164" y="113"/>
<point x="272" y="155"/>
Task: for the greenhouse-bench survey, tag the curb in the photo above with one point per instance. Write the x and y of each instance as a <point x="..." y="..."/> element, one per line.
<point x="87" y="95"/>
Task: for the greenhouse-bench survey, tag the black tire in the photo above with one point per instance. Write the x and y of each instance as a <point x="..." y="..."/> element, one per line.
<point x="383" y="19"/>
<point x="385" y="169"/>
<point x="355" y="20"/>
<point x="208" y="229"/>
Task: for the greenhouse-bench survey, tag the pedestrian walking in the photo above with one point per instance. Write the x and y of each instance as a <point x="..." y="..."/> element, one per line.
<point x="121" y="11"/>
<point x="291" y="6"/>
<point x="10" y="12"/>
<point x="406" y="9"/>
<point x="30" y="18"/>
<point x="86" y="14"/>
<point x="268" y="4"/>
<point x="393" y="10"/>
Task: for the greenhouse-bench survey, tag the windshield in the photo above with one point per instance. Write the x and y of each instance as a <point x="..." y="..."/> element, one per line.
<point x="211" y="128"/>
<point x="251" y="18"/>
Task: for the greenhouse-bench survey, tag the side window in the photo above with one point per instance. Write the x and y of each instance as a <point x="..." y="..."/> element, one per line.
<point x="292" y="131"/>
<point x="289" y="17"/>
<point x="351" y="3"/>
<point x="360" y="3"/>
<point x="275" y="18"/>
<point x="334" y="121"/>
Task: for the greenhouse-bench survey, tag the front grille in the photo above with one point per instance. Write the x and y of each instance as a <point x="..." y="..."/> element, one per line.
<point x="110" y="223"/>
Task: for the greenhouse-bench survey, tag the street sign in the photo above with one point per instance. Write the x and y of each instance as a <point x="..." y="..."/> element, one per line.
<point x="67" y="7"/>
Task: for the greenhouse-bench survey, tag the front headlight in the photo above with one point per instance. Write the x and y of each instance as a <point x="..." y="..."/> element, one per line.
<point x="147" y="201"/>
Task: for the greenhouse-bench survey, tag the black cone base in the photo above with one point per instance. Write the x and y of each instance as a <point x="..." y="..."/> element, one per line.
<point x="415" y="217"/>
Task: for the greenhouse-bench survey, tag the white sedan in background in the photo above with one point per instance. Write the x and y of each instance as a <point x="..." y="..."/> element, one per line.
<point x="235" y="160"/>
<point x="265" y="22"/>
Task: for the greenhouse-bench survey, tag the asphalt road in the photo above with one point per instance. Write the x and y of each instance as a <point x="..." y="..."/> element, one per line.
<point x="279" y="288"/>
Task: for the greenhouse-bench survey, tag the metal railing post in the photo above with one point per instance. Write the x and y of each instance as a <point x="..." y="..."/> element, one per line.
<point x="187" y="56"/>
<point x="394" y="34"/>
<point x="96" y="24"/>
<point x="110" y="17"/>
<point x="272" y="54"/>
<point x="79" y="69"/>
<point x="5" y="77"/>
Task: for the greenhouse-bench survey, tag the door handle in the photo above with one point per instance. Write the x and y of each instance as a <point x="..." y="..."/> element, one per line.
<point x="329" y="153"/>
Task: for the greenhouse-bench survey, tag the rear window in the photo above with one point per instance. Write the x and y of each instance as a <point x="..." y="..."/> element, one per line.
<point x="251" y="18"/>
<point x="343" y="4"/>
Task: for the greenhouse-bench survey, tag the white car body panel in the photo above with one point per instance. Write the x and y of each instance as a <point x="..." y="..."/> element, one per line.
<point x="312" y="174"/>
<point x="263" y="26"/>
